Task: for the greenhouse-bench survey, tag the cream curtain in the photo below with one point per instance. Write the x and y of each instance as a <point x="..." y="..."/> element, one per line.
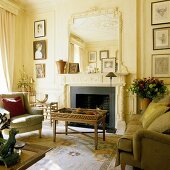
<point x="7" y="42"/>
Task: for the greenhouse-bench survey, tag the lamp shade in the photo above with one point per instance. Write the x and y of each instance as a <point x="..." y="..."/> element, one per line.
<point x="111" y="74"/>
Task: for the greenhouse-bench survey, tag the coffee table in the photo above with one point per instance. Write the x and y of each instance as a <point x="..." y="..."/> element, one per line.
<point x="30" y="154"/>
<point x="89" y="116"/>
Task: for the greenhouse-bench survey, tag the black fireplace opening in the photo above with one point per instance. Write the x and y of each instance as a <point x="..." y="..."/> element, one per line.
<point x="93" y="98"/>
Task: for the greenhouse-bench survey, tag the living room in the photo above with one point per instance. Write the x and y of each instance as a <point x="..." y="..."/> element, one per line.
<point x="134" y="51"/>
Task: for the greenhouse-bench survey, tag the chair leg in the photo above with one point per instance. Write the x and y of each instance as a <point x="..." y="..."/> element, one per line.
<point x="40" y="131"/>
<point x="123" y="165"/>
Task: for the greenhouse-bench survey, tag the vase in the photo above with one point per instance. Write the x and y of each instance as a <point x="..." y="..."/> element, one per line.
<point x="144" y="103"/>
<point x="60" y="66"/>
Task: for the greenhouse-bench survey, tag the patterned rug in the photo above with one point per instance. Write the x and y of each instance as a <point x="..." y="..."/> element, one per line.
<point x="73" y="151"/>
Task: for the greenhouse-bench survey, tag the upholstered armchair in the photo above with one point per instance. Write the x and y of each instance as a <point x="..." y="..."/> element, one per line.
<point x="22" y="116"/>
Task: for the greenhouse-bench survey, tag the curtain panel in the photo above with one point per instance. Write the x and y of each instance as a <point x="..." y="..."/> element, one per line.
<point x="7" y="45"/>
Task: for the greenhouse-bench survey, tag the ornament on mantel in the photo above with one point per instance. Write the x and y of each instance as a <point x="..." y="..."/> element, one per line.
<point x="60" y="66"/>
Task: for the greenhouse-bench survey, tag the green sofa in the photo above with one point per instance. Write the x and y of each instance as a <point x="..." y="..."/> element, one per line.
<point x="29" y="121"/>
<point x="146" y="143"/>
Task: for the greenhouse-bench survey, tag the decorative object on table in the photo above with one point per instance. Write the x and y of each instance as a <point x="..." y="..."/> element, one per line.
<point x="104" y="54"/>
<point x="161" y="38"/>
<point x="7" y="154"/>
<point x="111" y="75"/>
<point x="160" y="12"/>
<point x="61" y="66"/>
<point x="42" y="100"/>
<point x="39" y="29"/>
<point x="40" y="70"/>
<point x="108" y="65"/>
<point x="39" y="48"/>
<point x="24" y="83"/>
<point x="73" y="68"/>
<point x="92" y="68"/>
<point x="92" y="56"/>
<point x="161" y="65"/>
<point x="151" y="88"/>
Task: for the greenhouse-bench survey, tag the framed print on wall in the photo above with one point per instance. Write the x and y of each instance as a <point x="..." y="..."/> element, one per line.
<point x="39" y="29"/>
<point x="160" y="12"/>
<point x="108" y="65"/>
<point x="92" y="56"/>
<point x="40" y="70"/>
<point x="104" y="54"/>
<point x="73" y="68"/>
<point x="161" y="65"/>
<point x="161" y="38"/>
<point x="39" y="48"/>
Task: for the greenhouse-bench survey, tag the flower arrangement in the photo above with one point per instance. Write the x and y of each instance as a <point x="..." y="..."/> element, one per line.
<point x="24" y="81"/>
<point x="150" y="88"/>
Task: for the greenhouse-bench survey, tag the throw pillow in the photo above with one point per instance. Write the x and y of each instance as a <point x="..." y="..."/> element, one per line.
<point x="161" y="124"/>
<point x="14" y="106"/>
<point x="152" y="113"/>
<point x="151" y="108"/>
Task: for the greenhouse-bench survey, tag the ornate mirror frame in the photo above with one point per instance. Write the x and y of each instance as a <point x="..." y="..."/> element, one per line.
<point x="121" y="69"/>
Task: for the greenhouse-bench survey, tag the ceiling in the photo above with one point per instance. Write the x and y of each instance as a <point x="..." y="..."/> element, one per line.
<point x="35" y="3"/>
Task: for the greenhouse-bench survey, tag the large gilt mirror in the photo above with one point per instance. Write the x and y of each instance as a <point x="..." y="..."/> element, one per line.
<point x="95" y="38"/>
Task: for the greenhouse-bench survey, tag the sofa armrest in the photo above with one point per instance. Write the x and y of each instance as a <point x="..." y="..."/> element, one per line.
<point x="147" y="142"/>
<point x="36" y="111"/>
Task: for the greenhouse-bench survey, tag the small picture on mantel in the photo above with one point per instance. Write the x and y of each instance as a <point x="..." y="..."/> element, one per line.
<point x="73" y="68"/>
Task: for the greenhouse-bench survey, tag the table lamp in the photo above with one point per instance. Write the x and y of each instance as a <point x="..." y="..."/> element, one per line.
<point x="111" y="74"/>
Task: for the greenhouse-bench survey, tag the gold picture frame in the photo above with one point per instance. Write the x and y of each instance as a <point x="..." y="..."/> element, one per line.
<point x="73" y="68"/>
<point x="40" y="70"/>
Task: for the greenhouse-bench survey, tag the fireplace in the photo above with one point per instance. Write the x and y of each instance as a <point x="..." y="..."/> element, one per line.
<point x="95" y="97"/>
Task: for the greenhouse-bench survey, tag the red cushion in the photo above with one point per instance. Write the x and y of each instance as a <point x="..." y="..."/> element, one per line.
<point x="14" y="106"/>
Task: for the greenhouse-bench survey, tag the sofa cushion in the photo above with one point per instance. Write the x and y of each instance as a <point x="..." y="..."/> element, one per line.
<point x="125" y="143"/>
<point x="161" y="124"/>
<point x="25" y="120"/>
<point x="152" y="112"/>
<point x="14" y="106"/>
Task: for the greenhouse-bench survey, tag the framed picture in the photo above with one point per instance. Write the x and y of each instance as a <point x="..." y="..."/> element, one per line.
<point x="92" y="56"/>
<point x="73" y="68"/>
<point x="40" y="70"/>
<point x="160" y="12"/>
<point x="39" y="28"/>
<point x="161" y="38"/>
<point x="39" y="48"/>
<point x="108" y="65"/>
<point x="104" y="54"/>
<point x="161" y="65"/>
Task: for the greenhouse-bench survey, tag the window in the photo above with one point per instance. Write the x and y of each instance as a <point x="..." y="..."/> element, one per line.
<point x="76" y="54"/>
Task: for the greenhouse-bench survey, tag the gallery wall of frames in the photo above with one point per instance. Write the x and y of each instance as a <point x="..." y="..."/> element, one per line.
<point x="160" y="20"/>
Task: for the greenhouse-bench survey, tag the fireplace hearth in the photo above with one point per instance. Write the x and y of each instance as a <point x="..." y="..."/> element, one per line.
<point x="93" y="98"/>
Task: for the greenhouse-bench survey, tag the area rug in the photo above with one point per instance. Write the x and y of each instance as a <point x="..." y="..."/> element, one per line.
<point x="72" y="151"/>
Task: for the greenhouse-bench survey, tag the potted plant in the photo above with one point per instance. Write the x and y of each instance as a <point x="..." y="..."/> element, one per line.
<point x="24" y="83"/>
<point x="148" y="88"/>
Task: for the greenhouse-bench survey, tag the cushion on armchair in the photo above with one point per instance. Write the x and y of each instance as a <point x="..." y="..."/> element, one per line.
<point x="161" y="124"/>
<point x="152" y="112"/>
<point x="14" y="106"/>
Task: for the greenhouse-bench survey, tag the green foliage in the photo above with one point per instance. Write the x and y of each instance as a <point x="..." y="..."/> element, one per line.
<point x="24" y="81"/>
<point x="150" y="88"/>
